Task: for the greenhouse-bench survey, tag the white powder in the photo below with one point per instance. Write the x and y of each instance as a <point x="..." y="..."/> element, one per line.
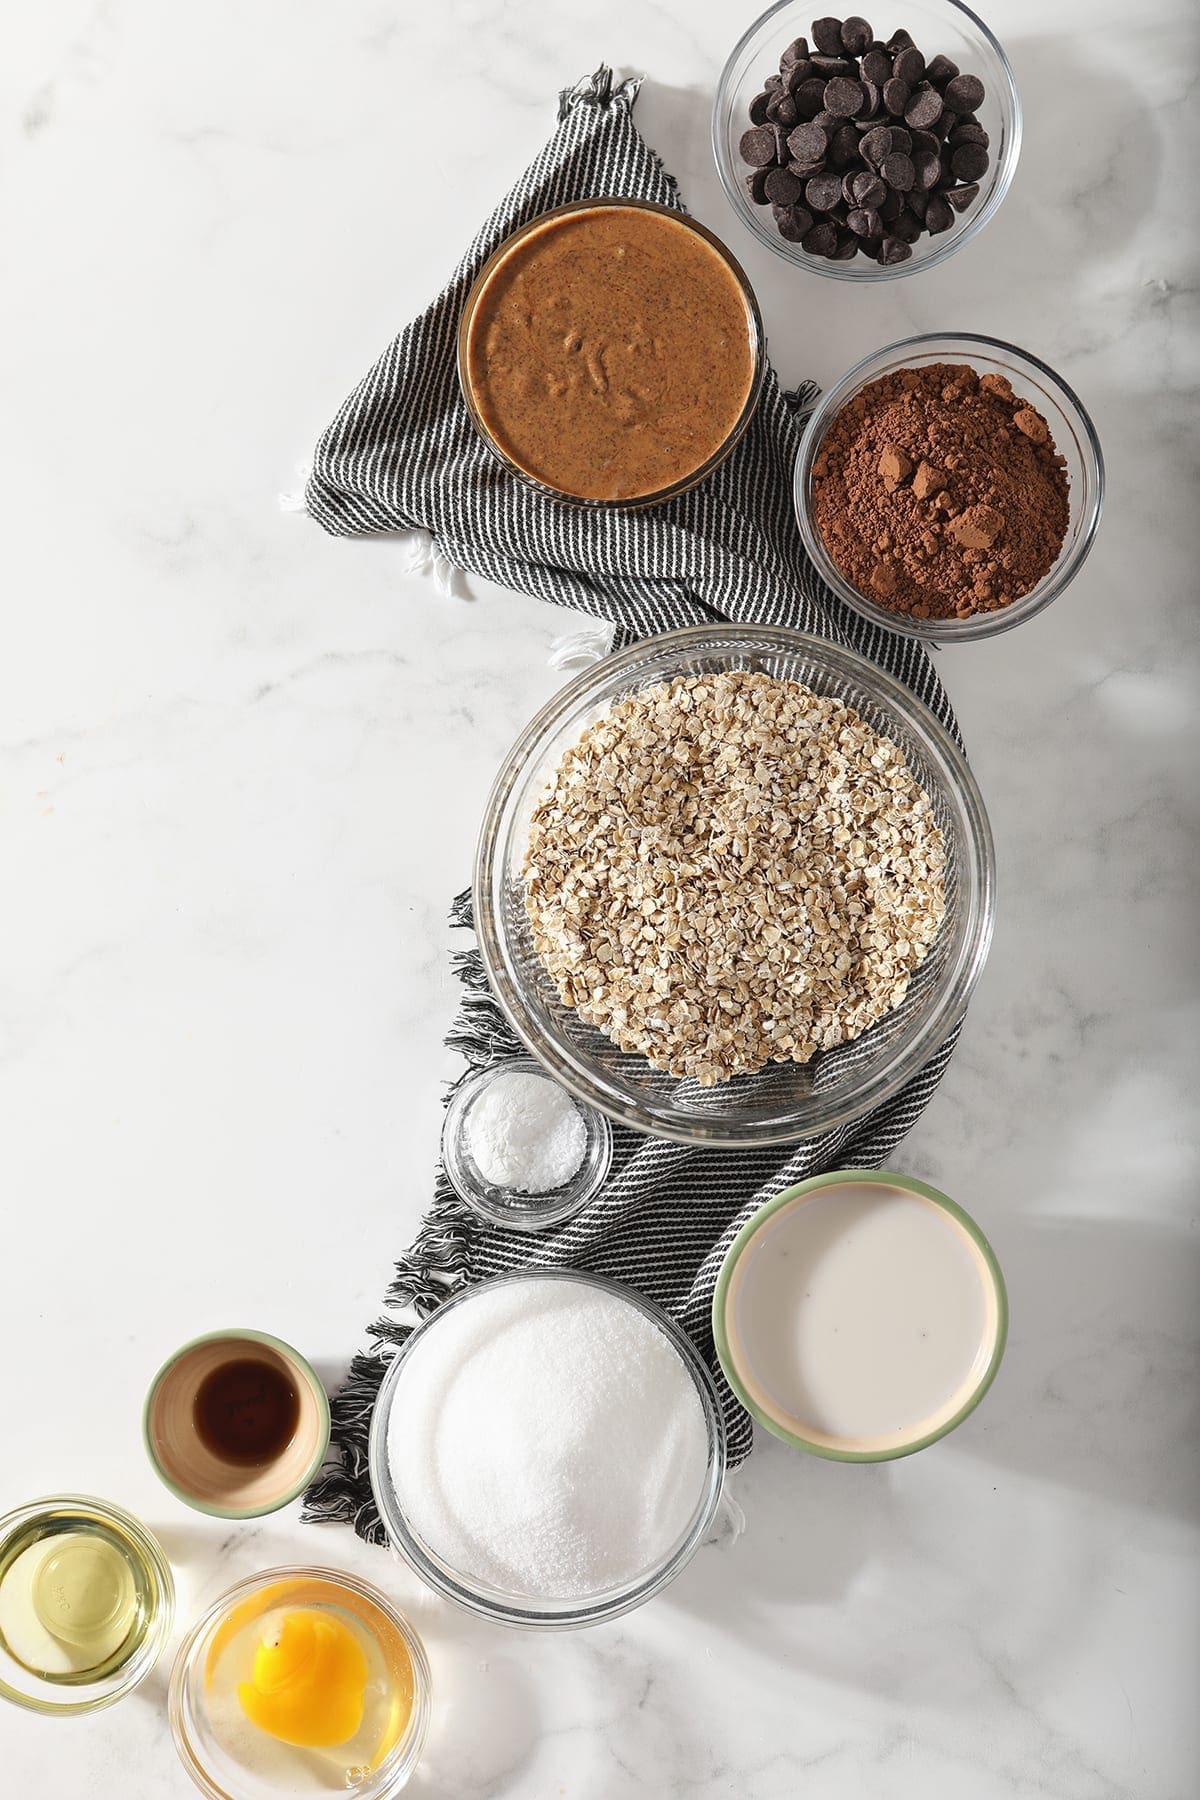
<point x="547" y="1439"/>
<point x="525" y="1133"/>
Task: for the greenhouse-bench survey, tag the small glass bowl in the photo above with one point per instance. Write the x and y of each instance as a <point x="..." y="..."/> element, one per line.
<point x="519" y="1610"/>
<point x="784" y="1101"/>
<point x="89" y="1691"/>
<point x="1074" y="438"/>
<point x="753" y="321"/>
<point x="939" y="27"/>
<point x="213" y="1767"/>
<point x="510" y="1207"/>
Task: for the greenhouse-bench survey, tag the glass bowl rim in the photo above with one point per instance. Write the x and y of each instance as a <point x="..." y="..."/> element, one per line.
<point x="144" y="1658"/>
<point x="754" y="317"/>
<point x="530" y="1615"/>
<point x="574" y="1074"/>
<point x="537" y="1218"/>
<point x="406" y="1753"/>
<point x="979" y="625"/>
<point x="1010" y="104"/>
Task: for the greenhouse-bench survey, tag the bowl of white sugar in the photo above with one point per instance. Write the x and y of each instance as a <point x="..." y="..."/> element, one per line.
<point x="547" y="1449"/>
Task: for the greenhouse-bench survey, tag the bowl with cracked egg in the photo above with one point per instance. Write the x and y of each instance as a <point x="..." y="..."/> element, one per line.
<point x="734" y="886"/>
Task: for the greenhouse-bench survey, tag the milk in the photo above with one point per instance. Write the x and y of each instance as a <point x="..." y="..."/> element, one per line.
<point x="862" y="1317"/>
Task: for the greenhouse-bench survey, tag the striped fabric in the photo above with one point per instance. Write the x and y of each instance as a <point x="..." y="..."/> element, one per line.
<point x="402" y="453"/>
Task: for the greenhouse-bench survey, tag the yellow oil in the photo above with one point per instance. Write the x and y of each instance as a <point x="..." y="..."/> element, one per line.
<point x="76" y="1599"/>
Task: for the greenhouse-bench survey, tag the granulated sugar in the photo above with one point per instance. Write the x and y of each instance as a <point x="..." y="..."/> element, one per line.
<point x="547" y="1439"/>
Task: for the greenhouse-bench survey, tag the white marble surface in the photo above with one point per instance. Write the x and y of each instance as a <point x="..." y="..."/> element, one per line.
<point x="242" y="768"/>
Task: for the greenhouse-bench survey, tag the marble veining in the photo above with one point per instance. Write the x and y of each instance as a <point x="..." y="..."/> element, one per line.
<point x="241" y="769"/>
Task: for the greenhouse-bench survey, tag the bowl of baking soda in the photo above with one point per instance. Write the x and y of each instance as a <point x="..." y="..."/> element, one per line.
<point x="547" y="1449"/>
<point x="519" y="1150"/>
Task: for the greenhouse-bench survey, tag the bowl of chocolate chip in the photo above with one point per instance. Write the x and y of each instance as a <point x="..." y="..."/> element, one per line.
<point x="867" y="150"/>
<point x="949" y="487"/>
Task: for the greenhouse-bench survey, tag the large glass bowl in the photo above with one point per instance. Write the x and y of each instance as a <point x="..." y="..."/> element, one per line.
<point x="937" y="27"/>
<point x="1074" y="437"/>
<point x="784" y="1101"/>
<point x="546" y="1614"/>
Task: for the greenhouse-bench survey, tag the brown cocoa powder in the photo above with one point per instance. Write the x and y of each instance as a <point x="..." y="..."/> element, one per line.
<point x="939" y="493"/>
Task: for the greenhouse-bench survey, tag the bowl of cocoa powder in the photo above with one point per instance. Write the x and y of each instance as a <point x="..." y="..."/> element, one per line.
<point x="949" y="486"/>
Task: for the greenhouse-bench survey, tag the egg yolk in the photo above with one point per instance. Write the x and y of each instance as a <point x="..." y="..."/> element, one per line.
<point x="309" y="1681"/>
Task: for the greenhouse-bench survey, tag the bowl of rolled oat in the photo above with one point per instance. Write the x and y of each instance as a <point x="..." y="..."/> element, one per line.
<point x="734" y="885"/>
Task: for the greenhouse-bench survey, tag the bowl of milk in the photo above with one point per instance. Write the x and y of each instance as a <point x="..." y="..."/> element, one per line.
<point x="861" y="1315"/>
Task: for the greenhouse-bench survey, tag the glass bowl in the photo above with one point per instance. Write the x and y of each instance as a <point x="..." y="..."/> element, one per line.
<point x="511" y="1207"/>
<point x="227" y="1768"/>
<point x="152" y="1594"/>
<point x="938" y="27"/>
<point x="1074" y="437"/>
<point x="784" y="1101"/>
<point x="753" y="321"/>
<point x="546" y="1614"/>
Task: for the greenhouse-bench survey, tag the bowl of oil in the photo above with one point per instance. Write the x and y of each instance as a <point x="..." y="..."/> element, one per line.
<point x="86" y="1604"/>
<point x="300" y="1681"/>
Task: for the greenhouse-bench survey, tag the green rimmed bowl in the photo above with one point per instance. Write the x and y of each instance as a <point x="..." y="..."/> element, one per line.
<point x="205" y="1481"/>
<point x="773" y="1387"/>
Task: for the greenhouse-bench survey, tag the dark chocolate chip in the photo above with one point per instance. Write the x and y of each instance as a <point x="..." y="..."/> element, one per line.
<point x="916" y="201"/>
<point x="831" y="66"/>
<point x="896" y="97"/>
<point x="894" y="250"/>
<point x="847" y="247"/>
<point x="856" y="35"/>
<point x="844" y="97"/>
<point x="901" y="140"/>
<point x="897" y="170"/>
<point x="827" y="35"/>
<point x="969" y="162"/>
<point x="783" y="188"/>
<point x="873" y="102"/>
<point x="877" y="67"/>
<point x="758" y="146"/>
<point x="938" y="216"/>
<point x="843" y="147"/>
<point x="829" y="122"/>
<point x="775" y="101"/>
<point x="925" y="140"/>
<point x="785" y="110"/>
<point x="968" y="134"/>
<point x="964" y="94"/>
<point x="781" y="142"/>
<point x="756" y="185"/>
<point x="810" y="97"/>
<point x="822" y="239"/>
<point x="792" y="223"/>
<point x="848" y="181"/>
<point x="797" y="51"/>
<point x="876" y="144"/>
<point x="805" y="169"/>
<point x="907" y="227"/>
<point x="924" y="109"/>
<point x="808" y="143"/>
<point x="909" y="66"/>
<point x="927" y="169"/>
<point x="898" y="41"/>
<point x="797" y="75"/>
<point x="867" y="189"/>
<point x="772" y="82"/>
<point x="961" y="197"/>
<point x="822" y="193"/>
<point x="864" y="222"/>
<point x="758" y="109"/>
<point x="940" y="70"/>
<point x="889" y="207"/>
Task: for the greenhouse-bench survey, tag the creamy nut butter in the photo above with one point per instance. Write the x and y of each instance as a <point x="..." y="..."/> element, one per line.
<point x="610" y="352"/>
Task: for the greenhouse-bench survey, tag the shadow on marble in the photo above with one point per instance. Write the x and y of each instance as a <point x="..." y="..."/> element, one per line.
<point x="1098" y="1390"/>
<point x="485" y="1723"/>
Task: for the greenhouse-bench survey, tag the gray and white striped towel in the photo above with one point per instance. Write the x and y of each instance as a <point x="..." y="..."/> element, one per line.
<point x="402" y="454"/>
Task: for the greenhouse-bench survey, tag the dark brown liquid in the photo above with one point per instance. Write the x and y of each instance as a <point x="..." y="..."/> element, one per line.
<point x="246" y="1410"/>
